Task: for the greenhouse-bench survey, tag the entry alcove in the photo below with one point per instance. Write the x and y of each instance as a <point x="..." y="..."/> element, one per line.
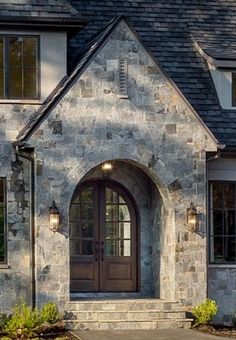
<point x="116" y="228"/>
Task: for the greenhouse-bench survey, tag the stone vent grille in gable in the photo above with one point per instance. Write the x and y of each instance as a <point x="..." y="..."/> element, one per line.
<point x="123" y="78"/>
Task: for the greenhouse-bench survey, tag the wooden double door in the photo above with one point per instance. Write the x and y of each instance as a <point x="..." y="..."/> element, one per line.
<point x="103" y="239"/>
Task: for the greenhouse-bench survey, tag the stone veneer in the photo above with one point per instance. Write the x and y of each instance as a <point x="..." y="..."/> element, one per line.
<point x="153" y="130"/>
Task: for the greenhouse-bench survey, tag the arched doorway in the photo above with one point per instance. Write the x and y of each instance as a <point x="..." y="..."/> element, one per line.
<point x="103" y="239"/>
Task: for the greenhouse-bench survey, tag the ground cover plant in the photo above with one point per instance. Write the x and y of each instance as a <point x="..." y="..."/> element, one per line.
<point x="26" y="322"/>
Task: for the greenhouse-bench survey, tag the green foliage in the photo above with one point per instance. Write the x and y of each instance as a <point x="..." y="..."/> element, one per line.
<point x="204" y="312"/>
<point x="50" y="313"/>
<point x="25" y="321"/>
<point x="3" y="320"/>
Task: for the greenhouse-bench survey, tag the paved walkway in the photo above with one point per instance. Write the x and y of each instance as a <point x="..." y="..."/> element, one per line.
<point x="170" y="334"/>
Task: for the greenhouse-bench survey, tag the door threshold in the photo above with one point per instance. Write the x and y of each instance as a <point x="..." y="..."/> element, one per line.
<point x="99" y="295"/>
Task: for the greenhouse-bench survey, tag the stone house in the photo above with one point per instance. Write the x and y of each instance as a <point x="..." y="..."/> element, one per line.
<point x="118" y="141"/>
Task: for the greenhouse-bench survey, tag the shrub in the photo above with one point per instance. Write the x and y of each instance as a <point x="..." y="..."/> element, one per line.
<point x="50" y="313"/>
<point x="23" y="322"/>
<point x="204" y="312"/>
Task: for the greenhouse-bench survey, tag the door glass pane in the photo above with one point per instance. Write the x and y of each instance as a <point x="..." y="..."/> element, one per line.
<point x="124" y="230"/>
<point x="87" y="196"/>
<point x="112" y="248"/>
<point x="86" y="212"/>
<point x="111" y="230"/>
<point x="87" y="229"/>
<point x="124" y="213"/>
<point x="87" y="247"/>
<point x="125" y="248"/>
<point x="111" y="196"/>
<point x="75" y="247"/>
<point x="111" y="212"/>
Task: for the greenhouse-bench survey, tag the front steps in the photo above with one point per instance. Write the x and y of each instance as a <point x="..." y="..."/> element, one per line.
<point x="125" y="314"/>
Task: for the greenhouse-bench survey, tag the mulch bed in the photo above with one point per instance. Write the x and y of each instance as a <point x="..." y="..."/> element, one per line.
<point x="229" y="332"/>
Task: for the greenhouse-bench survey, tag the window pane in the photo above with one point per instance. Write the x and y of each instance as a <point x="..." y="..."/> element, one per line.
<point x="229" y="249"/>
<point x="30" y="52"/>
<point x="15" y="51"/>
<point x="30" y="83"/>
<point x="230" y="222"/>
<point x="218" y="249"/>
<point x="233" y="89"/>
<point x="229" y="194"/>
<point x="2" y="190"/>
<point x="1" y="52"/>
<point x="217" y="193"/>
<point x="15" y="83"/>
<point x="218" y="222"/>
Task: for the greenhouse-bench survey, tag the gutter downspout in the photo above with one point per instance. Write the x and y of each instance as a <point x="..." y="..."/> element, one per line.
<point x="28" y="154"/>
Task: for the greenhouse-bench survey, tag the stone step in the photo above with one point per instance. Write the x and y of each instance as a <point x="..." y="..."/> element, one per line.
<point x="119" y="325"/>
<point x="123" y="305"/>
<point x="82" y="316"/>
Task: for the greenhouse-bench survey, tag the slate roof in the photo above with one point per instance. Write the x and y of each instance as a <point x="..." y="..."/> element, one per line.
<point x="168" y="29"/>
<point x="37" y="8"/>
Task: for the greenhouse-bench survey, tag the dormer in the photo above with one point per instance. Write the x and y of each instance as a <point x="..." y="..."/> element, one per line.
<point x="33" y="48"/>
<point x="222" y="66"/>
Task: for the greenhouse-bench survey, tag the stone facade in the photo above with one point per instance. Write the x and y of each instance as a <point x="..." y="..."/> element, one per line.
<point x="159" y="149"/>
<point x="152" y="130"/>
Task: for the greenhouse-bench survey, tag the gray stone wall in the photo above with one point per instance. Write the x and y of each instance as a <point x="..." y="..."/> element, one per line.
<point x="15" y="276"/>
<point x="222" y="288"/>
<point x="154" y="130"/>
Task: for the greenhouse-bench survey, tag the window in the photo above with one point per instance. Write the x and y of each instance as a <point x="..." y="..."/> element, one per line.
<point x="223" y="222"/>
<point x="233" y="89"/>
<point x="2" y="221"/>
<point x="19" y="71"/>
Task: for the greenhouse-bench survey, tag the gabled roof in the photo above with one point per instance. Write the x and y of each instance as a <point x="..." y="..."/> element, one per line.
<point x="84" y="57"/>
<point x="169" y="29"/>
<point x="41" y="12"/>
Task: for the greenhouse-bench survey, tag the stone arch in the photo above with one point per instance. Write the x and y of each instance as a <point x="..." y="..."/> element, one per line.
<point x="163" y="243"/>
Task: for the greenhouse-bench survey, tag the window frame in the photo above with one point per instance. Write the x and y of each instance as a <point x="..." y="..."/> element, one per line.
<point x="211" y="235"/>
<point x="4" y="262"/>
<point x="6" y="89"/>
<point x="233" y="76"/>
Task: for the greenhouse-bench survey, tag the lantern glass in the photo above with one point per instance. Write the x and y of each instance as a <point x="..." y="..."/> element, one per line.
<point x="107" y="169"/>
<point x="54" y="218"/>
<point x="192" y="218"/>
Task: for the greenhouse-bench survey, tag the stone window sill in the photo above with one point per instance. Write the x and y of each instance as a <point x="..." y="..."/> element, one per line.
<point x="223" y="265"/>
<point x="21" y="101"/>
<point x="4" y="266"/>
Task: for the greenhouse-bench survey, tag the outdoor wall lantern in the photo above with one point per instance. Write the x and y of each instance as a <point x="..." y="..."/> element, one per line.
<point x="192" y="218"/>
<point x="107" y="169"/>
<point x="54" y="217"/>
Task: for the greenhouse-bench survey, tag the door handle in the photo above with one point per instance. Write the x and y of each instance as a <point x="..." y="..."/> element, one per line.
<point x="96" y="251"/>
<point x="102" y="250"/>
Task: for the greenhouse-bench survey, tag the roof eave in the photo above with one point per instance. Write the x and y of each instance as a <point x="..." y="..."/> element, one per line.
<point x="65" y="23"/>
